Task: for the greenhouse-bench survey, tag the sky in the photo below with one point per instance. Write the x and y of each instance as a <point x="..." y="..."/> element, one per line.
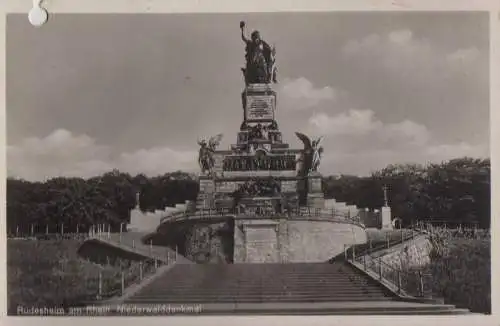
<point x="88" y="93"/>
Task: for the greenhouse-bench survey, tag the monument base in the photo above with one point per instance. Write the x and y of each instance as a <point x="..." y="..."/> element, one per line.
<point x="267" y="240"/>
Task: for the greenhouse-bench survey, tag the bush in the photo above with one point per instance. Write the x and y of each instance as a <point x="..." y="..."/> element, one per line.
<point x="462" y="276"/>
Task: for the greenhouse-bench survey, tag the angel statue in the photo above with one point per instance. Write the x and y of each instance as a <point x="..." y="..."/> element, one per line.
<point x="312" y="154"/>
<point x="317" y="153"/>
<point x="205" y="156"/>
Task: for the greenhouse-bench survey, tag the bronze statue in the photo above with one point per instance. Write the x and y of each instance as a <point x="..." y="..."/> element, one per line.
<point x="312" y="154"/>
<point x="260" y="59"/>
<point x="268" y="187"/>
<point x="205" y="156"/>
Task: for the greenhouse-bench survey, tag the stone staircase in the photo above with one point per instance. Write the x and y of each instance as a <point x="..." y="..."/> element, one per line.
<point x="315" y="288"/>
<point x="352" y="210"/>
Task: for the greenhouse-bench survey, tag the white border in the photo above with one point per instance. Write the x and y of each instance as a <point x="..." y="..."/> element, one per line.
<point x="185" y="6"/>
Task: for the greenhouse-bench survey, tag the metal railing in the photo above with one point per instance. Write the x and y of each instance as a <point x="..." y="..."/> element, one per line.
<point x="112" y="282"/>
<point x="460" y="232"/>
<point x="405" y="283"/>
<point x="101" y="232"/>
<point x="61" y="230"/>
<point x="374" y="246"/>
<point x="410" y="283"/>
<point x="303" y="212"/>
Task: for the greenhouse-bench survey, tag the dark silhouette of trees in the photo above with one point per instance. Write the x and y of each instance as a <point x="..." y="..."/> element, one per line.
<point x="76" y="203"/>
<point x="456" y="191"/>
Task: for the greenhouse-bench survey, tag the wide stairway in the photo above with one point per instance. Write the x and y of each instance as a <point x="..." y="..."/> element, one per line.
<point x="325" y="288"/>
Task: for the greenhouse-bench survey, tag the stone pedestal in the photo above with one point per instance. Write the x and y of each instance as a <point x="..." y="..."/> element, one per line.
<point x="207" y="185"/>
<point x="386" y="218"/>
<point x="206" y="194"/>
<point x="259" y="103"/>
<point x="315" y="196"/>
<point x="315" y="201"/>
<point x="314" y="184"/>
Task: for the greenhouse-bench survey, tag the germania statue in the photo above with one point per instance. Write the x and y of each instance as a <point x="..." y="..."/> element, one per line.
<point x="206" y="153"/>
<point x="312" y="154"/>
<point x="260" y="59"/>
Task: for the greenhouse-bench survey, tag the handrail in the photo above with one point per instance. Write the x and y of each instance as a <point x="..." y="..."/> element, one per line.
<point x="128" y="277"/>
<point x="387" y="244"/>
<point x="301" y="212"/>
<point x="404" y="282"/>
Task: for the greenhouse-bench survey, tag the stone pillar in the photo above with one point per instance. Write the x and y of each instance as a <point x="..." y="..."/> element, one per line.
<point x="283" y="241"/>
<point x="239" y="252"/>
<point x="205" y="195"/>
<point x="315" y="197"/>
<point x="386" y="218"/>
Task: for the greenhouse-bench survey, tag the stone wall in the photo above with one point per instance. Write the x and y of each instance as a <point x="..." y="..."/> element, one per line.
<point x="210" y="243"/>
<point x="282" y="240"/>
<point x="239" y="243"/>
<point x="256" y="240"/>
<point x="317" y="241"/>
<point x="148" y="221"/>
<point x="102" y="253"/>
<point x="408" y="255"/>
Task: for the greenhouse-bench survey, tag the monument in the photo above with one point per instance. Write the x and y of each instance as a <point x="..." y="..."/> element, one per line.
<point x="260" y="200"/>
<point x="260" y="173"/>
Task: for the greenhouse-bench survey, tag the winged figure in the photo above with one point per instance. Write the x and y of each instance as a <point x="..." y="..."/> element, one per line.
<point x="317" y="153"/>
<point x="207" y="149"/>
<point x="214" y="142"/>
<point x="312" y="153"/>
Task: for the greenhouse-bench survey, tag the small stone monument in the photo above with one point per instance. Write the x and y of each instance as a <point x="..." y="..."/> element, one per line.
<point x="386" y="213"/>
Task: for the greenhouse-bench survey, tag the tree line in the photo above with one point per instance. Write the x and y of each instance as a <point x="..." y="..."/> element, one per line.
<point x="457" y="191"/>
<point x="77" y="203"/>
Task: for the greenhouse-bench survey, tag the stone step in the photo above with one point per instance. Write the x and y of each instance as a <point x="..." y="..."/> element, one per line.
<point x="276" y="282"/>
<point x="256" y="290"/>
<point x="280" y="298"/>
<point x="274" y="288"/>
<point x="311" y="308"/>
<point x="261" y="282"/>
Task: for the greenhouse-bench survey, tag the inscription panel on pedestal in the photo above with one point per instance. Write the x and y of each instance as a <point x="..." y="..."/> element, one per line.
<point x="315" y="185"/>
<point x="206" y="186"/>
<point x="227" y="186"/>
<point x="253" y="163"/>
<point x="259" y="107"/>
<point x="289" y="186"/>
<point x="263" y="173"/>
<point x="261" y="244"/>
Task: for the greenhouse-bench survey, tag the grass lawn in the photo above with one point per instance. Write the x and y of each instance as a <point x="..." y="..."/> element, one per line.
<point x="49" y="273"/>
